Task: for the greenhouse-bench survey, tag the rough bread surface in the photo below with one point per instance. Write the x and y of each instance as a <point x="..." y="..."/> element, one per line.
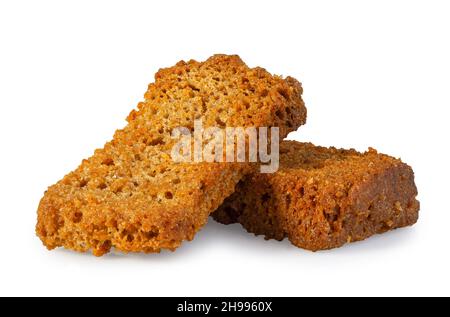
<point x="322" y="198"/>
<point x="130" y="195"/>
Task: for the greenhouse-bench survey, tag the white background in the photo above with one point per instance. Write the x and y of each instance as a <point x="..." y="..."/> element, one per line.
<point x="375" y="73"/>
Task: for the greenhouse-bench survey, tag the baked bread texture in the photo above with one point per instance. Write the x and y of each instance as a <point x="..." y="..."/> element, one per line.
<point x="130" y="195"/>
<point x="322" y="198"/>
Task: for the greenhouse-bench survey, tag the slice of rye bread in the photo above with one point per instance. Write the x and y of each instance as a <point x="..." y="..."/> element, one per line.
<point x="322" y="198"/>
<point x="130" y="195"/>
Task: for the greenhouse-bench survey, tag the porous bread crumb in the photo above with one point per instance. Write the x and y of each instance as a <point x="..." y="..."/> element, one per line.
<point x="130" y="195"/>
<point x="322" y="198"/>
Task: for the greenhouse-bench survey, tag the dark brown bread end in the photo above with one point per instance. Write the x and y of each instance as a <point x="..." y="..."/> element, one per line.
<point x="322" y="198"/>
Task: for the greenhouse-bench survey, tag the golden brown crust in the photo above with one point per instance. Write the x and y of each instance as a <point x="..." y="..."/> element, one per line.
<point x="130" y="195"/>
<point x="322" y="198"/>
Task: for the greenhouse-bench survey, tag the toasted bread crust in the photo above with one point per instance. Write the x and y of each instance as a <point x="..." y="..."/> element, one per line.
<point x="130" y="195"/>
<point x="322" y="198"/>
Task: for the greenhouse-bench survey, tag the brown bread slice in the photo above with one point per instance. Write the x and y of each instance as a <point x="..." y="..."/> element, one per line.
<point x="130" y="195"/>
<point x="322" y="198"/>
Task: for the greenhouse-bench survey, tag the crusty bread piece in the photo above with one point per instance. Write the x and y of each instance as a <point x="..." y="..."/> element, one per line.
<point x="130" y="195"/>
<point x="321" y="198"/>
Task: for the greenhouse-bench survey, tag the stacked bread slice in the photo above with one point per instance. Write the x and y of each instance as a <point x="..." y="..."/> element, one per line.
<point x="131" y="195"/>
